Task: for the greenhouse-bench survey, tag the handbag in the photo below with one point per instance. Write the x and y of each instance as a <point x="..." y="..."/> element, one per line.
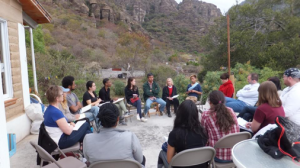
<point x="134" y="99"/>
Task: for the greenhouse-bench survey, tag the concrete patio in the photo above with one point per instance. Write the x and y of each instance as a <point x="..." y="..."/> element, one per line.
<point x="151" y="135"/>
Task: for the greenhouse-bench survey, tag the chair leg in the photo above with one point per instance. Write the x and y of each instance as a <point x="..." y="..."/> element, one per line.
<point x="42" y="162"/>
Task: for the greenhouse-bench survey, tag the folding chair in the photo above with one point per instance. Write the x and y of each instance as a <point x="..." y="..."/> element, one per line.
<point x="229" y="141"/>
<point x="116" y="164"/>
<point x="67" y="162"/>
<point x="193" y="156"/>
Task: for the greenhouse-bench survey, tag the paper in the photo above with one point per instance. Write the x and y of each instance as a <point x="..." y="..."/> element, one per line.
<point x="103" y="104"/>
<point x="242" y="123"/>
<point x="78" y="125"/>
<point x="86" y="108"/>
<point x="117" y="101"/>
<point x="166" y="138"/>
<point x="175" y="96"/>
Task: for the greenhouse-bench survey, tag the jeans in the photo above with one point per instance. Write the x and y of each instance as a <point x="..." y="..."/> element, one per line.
<point x="122" y="108"/>
<point x="67" y="141"/>
<point x="92" y="114"/>
<point x="138" y="105"/>
<point x="236" y="105"/>
<point x="158" y="100"/>
<point x="175" y="102"/>
<point x="222" y="161"/>
<point x="248" y="113"/>
<point x="162" y="160"/>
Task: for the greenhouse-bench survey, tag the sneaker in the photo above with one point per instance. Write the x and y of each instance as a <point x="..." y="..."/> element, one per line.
<point x="143" y="119"/>
<point x="127" y="114"/>
<point x="123" y="123"/>
<point x="138" y="117"/>
<point x="169" y="115"/>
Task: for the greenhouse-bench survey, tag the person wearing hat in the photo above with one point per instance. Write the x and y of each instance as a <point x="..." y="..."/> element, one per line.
<point x="290" y="96"/>
<point x="151" y="91"/>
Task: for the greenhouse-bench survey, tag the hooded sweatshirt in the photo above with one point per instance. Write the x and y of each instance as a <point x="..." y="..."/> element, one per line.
<point x="227" y="88"/>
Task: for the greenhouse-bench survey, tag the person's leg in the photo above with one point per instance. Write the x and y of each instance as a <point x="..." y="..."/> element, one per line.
<point x="147" y="106"/>
<point x="67" y="141"/>
<point x="144" y="161"/>
<point x="176" y="104"/>
<point x="122" y="106"/>
<point x="162" y="159"/>
<point x="236" y="105"/>
<point x="249" y="113"/>
<point x="95" y="110"/>
<point x="138" y="105"/>
<point x="119" y="108"/>
<point x="168" y="104"/>
<point x="228" y="99"/>
<point x="162" y="104"/>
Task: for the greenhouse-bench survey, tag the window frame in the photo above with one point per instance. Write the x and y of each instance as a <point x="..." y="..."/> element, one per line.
<point x="6" y="60"/>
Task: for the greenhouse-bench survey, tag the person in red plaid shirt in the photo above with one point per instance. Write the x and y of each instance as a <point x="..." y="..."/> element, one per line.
<point x="218" y="122"/>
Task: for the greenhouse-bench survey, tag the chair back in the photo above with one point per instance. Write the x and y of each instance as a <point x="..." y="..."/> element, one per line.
<point x="230" y="140"/>
<point x="193" y="156"/>
<point x="44" y="155"/>
<point x="116" y="164"/>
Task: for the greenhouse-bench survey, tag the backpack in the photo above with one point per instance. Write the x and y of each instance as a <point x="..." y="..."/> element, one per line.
<point x="281" y="141"/>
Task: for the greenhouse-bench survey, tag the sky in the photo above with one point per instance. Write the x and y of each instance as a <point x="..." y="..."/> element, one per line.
<point x="223" y="5"/>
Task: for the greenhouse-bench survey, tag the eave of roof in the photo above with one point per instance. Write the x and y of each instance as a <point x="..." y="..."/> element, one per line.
<point x="36" y="11"/>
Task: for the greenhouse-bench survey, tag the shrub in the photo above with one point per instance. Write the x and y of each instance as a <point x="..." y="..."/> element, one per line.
<point x="181" y="83"/>
<point x="119" y="88"/>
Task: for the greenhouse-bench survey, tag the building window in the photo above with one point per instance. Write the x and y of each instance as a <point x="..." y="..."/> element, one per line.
<point x="5" y="68"/>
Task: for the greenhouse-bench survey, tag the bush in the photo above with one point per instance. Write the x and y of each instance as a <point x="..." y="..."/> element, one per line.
<point x="119" y="88"/>
<point x="181" y="83"/>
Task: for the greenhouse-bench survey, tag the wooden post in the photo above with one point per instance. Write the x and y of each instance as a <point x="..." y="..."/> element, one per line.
<point x="228" y="37"/>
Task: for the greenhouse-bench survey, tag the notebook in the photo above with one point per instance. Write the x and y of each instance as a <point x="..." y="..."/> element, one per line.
<point x="78" y="125"/>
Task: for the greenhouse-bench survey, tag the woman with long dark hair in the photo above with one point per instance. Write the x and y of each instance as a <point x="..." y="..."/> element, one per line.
<point x="187" y="133"/>
<point x="90" y="96"/>
<point x="133" y="97"/>
<point x="218" y="122"/>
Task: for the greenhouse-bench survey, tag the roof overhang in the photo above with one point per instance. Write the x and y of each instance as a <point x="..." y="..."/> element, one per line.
<point x="34" y="13"/>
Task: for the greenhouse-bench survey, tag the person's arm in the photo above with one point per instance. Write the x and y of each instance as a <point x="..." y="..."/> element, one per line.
<point x="70" y="117"/>
<point x="253" y="92"/>
<point x="128" y="95"/>
<point x="170" y="153"/>
<point x="254" y="125"/>
<point x="229" y="91"/>
<point x="155" y="89"/>
<point x="164" y="93"/>
<point x="101" y="95"/>
<point x="197" y="90"/>
<point x="64" y="126"/>
<point x="74" y="107"/>
<point x="137" y="149"/>
<point x="291" y="105"/>
<point x="147" y="91"/>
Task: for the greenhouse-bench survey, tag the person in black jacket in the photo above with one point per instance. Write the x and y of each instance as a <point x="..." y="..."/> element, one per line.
<point x="133" y="97"/>
<point x="168" y="92"/>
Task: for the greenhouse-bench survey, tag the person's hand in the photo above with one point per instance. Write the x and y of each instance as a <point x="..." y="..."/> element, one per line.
<point x="79" y="105"/>
<point x="248" y="124"/>
<point x="99" y="100"/>
<point x="77" y="116"/>
<point x="73" y="124"/>
<point x="115" y="99"/>
<point x="170" y="98"/>
<point x="192" y="91"/>
<point x="150" y="90"/>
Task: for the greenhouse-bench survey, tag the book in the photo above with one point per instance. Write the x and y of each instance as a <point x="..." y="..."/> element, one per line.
<point x="242" y="123"/>
<point x="78" y="125"/>
<point x="175" y="96"/>
<point x="117" y="101"/>
<point x="103" y="104"/>
<point x="86" y="108"/>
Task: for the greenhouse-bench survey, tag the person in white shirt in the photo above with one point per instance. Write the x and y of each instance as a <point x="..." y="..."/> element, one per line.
<point x="247" y="96"/>
<point x="290" y="96"/>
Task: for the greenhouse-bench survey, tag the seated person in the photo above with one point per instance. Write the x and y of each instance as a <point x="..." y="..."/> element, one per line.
<point x="168" y="92"/>
<point x="269" y="107"/>
<point x="290" y="96"/>
<point x="187" y="133"/>
<point x="104" y="94"/>
<point x="56" y="123"/>
<point x="218" y="122"/>
<point x="133" y="97"/>
<point x="74" y="103"/>
<point x="194" y="89"/>
<point x="111" y="143"/>
<point x="63" y="106"/>
<point x="90" y="96"/>
<point x="248" y="112"/>
<point x="247" y="96"/>
<point x="151" y="91"/>
<point x="227" y="86"/>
